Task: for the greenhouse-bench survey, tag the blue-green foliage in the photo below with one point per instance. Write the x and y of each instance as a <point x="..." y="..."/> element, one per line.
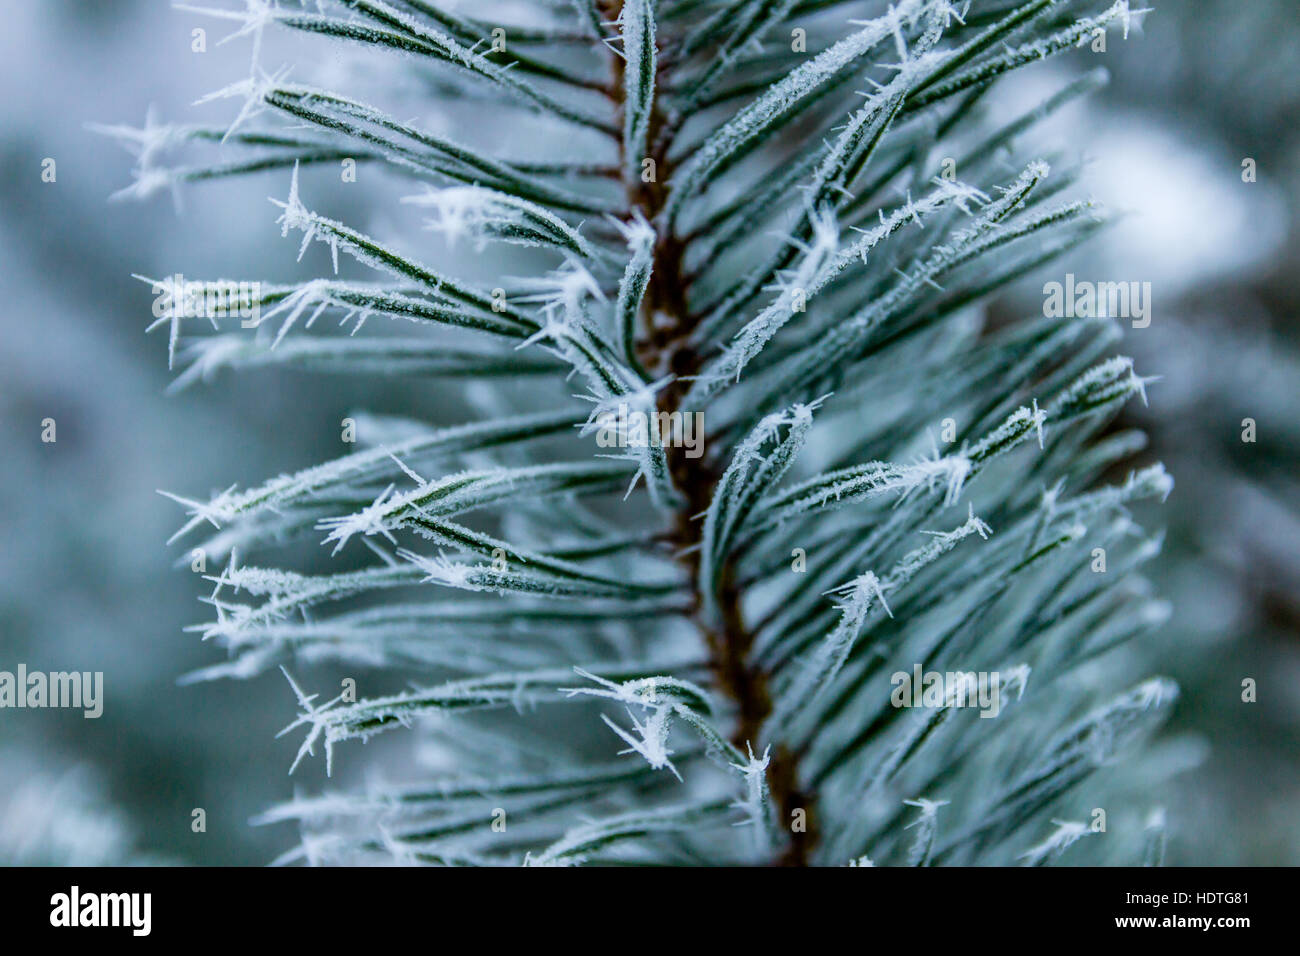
<point x="778" y="222"/>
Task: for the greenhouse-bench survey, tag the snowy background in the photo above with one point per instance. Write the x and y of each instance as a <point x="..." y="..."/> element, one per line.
<point x="87" y="583"/>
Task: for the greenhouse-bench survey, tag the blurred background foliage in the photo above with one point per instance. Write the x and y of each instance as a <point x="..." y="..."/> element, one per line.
<point x="86" y="582"/>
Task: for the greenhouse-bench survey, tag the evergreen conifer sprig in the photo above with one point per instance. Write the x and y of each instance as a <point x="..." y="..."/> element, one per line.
<point x="769" y="225"/>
